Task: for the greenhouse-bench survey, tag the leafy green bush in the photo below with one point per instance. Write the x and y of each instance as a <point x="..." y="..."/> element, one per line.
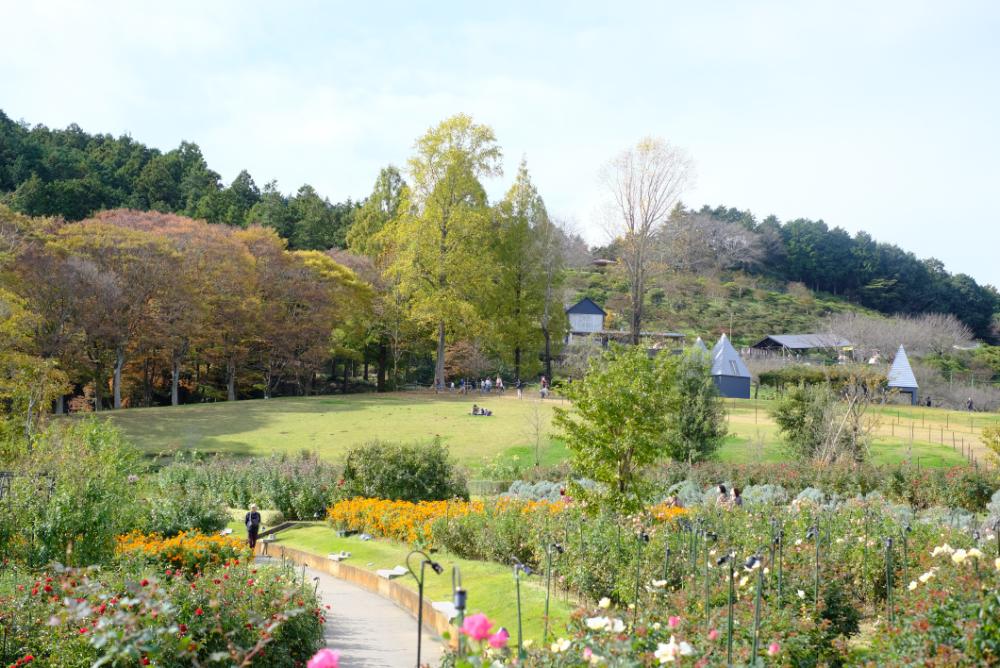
<point x="415" y="472"/>
<point x="71" y="495"/>
<point x="301" y="486"/>
<point x="156" y="616"/>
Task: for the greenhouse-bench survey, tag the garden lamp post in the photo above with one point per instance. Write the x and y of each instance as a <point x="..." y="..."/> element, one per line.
<point x="643" y="538"/>
<point x="519" y="568"/>
<point x="709" y="536"/>
<point x="729" y="558"/>
<point x="436" y="567"/>
<point x="666" y="558"/>
<point x="459" y="598"/>
<point x="779" y="540"/>
<point x="813" y="534"/>
<point x="548" y="585"/>
<point x="754" y="563"/>
<point x="906" y="562"/>
<point x="888" y="577"/>
<point x="996" y="535"/>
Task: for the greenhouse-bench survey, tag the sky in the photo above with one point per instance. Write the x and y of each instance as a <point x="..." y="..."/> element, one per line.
<point x="876" y="116"/>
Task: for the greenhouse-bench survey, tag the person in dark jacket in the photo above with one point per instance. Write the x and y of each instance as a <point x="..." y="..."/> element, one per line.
<point x="252" y="520"/>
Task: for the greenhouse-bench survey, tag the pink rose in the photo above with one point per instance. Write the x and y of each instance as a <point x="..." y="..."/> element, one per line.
<point x="673" y="621"/>
<point x="325" y="658"/>
<point x="773" y="649"/>
<point x="713" y="634"/>
<point x="499" y="639"/>
<point x="477" y="626"/>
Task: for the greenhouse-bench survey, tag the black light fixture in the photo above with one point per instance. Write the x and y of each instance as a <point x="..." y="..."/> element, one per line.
<point x="460" y="600"/>
<point x="548" y="585"/>
<point x="519" y="568"/>
<point x="436" y="567"/>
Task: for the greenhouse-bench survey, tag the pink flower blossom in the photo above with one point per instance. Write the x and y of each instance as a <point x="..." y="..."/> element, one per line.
<point x="713" y="634"/>
<point x="477" y="626"/>
<point x="673" y="621"/>
<point x="773" y="649"/>
<point x="587" y="653"/>
<point x="499" y="639"/>
<point x="325" y="658"/>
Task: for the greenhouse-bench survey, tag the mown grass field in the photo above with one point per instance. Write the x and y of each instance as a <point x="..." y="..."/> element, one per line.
<point x="331" y="425"/>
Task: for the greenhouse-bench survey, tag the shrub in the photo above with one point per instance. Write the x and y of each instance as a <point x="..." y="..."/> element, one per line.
<point x="417" y="472"/>
<point x="71" y="495"/>
<point x="764" y="495"/>
<point x="300" y="486"/>
<point x="192" y="552"/>
<point x="234" y="613"/>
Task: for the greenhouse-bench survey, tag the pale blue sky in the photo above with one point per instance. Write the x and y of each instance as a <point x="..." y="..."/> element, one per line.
<point x="880" y="116"/>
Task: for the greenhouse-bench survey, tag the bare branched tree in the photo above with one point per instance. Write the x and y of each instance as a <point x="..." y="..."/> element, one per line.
<point x="920" y="334"/>
<point x="699" y="243"/>
<point x="644" y="184"/>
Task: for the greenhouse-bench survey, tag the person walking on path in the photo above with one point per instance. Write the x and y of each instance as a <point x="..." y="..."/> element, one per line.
<point x="519" y="386"/>
<point x="252" y="521"/>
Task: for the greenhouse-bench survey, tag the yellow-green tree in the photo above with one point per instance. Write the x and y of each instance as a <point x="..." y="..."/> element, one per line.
<point x="527" y="262"/>
<point x="442" y="233"/>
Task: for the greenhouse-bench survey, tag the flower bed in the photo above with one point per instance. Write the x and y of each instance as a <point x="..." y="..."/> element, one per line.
<point x="189" y="551"/>
<point x="80" y="617"/>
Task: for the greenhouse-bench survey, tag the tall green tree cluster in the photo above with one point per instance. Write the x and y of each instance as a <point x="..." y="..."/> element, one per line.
<point x="878" y="275"/>
<point x="73" y="174"/>
<point x="463" y="271"/>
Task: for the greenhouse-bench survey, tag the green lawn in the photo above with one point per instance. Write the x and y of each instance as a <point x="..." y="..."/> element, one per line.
<point x="490" y="586"/>
<point x="331" y="425"/>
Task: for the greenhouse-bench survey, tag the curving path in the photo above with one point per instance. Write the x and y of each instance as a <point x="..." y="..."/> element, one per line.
<point x="368" y="630"/>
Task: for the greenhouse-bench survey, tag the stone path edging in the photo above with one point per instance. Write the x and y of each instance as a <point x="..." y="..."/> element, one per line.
<point x="402" y="596"/>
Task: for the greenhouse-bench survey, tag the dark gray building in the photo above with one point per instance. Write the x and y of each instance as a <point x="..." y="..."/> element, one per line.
<point x="729" y="372"/>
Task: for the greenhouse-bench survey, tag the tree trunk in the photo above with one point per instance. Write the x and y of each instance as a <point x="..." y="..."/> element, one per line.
<point x="346" y="379"/>
<point x="439" y="363"/>
<point x="366" y="370"/>
<point x="60" y="404"/>
<point x="231" y="380"/>
<point x="548" y="353"/>
<point x="175" y="381"/>
<point x="119" y="363"/>
<point x="381" y="370"/>
<point x="99" y="381"/>
<point x="517" y="362"/>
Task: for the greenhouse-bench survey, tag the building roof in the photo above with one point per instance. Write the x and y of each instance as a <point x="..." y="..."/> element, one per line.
<point x="900" y="373"/>
<point x="803" y="341"/>
<point x="586" y="306"/>
<point x="700" y="345"/>
<point x="726" y="361"/>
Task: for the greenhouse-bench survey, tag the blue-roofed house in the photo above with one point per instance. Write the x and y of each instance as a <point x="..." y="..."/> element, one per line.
<point x="729" y="372"/>
<point x="901" y="376"/>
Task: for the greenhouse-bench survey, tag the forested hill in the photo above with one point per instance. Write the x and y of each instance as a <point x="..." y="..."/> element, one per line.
<point x="71" y="173"/>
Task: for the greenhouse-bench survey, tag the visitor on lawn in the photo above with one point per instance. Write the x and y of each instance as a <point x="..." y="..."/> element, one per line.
<point x="723" y="498"/>
<point x="737" y="500"/>
<point x="519" y="386"/>
<point x="499" y="384"/>
<point x="252" y="520"/>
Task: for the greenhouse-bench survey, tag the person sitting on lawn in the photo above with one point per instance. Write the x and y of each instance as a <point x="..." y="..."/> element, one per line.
<point x="475" y="409"/>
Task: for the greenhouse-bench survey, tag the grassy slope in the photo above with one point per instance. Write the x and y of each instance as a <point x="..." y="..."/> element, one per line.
<point x="330" y="425"/>
<point x="490" y="586"/>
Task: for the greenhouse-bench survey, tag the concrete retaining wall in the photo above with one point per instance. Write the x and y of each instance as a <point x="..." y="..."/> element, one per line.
<point x="402" y="596"/>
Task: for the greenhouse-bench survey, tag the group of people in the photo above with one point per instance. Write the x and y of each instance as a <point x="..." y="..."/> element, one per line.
<point x="729" y="498"/>
<point x="484" y="386"/>
<point x="485" y="412"/>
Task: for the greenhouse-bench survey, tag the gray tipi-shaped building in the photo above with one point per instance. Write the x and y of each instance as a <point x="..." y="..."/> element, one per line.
<point x="700" y="346"/>
<point x="731" y="375"/>
<point x="901" y="376"/>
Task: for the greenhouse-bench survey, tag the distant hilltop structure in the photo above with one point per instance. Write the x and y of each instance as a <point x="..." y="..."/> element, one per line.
<point x="802" y="343"/>
<point x="587" y="319"/>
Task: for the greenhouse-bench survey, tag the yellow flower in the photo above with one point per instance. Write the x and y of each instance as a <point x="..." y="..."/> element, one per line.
<point x="604" y="603"/>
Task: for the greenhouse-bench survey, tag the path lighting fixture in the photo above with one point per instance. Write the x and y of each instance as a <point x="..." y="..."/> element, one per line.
<point x="813" y="534"/>
<point x="460" y="599"/>
<point x="436" y="567"/>
<point x="729" y="558"/>
<point x="643" y="538"/>
<point x="666" y="558"/>
<point x="709" y="536"/>
<point x="779" y="541"/>
<point x="519" y="568"/>
<point x="754" y="562"/>
<point x="315" y="585"/>
<point x="903" y="535"/>
<point x="888" y="577"/>
<point x="548" y="585"/>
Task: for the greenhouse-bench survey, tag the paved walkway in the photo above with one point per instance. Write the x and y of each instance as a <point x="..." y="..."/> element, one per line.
<point x="368" y="630"/>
